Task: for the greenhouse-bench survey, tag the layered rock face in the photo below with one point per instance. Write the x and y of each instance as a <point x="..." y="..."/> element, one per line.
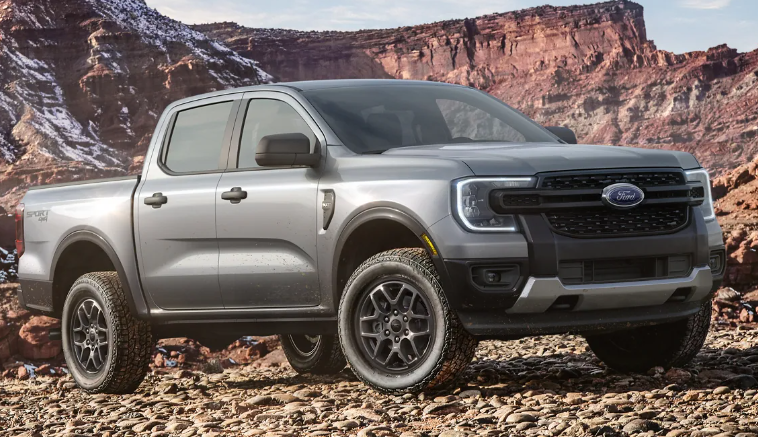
<point x="84" y="82"/>
<point x="591" y="68"/>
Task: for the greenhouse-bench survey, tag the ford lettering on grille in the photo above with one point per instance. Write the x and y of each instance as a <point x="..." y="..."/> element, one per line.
<point x="622" y="196"/>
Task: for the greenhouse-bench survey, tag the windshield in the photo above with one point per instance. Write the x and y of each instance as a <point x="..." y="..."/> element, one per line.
<point x="373" y="119"/>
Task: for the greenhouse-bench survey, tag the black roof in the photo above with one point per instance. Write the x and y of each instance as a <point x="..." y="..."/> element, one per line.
<point x="314" y="85"/>
<point x="344" y="83"/>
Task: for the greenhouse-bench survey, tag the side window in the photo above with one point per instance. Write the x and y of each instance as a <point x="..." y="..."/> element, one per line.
<point x="268" y="117"/>
<point x="468" y="122"/>
<point x="197" y="138"/>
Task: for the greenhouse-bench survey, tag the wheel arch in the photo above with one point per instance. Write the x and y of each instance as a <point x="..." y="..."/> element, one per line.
<point x="365" y="236"/>
<point x="79" y="253"/>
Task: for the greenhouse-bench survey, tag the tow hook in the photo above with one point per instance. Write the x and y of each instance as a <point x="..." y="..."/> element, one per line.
<point x="55" y="334"/>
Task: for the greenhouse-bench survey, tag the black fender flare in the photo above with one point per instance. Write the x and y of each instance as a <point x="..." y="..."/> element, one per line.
<point x="94" y="238"/>
<point x="381" y="213"/>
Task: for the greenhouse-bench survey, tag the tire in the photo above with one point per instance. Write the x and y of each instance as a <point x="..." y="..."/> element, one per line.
<point x="403" y="361"/>
<point x="96" y="311"/>
<point x="318" y="354"/>
<point x="666" y="345"/>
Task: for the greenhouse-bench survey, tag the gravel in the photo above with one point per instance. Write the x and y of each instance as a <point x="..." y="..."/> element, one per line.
<point x="546" y="386"/>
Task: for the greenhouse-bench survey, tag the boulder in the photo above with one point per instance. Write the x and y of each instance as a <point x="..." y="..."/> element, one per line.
<point x="8" y="346"/>
<point x="8" y="341"/>
<point x="5" y="328"/>
<point x="728" y="294"/>
<point x="273" y="359"/>
<point x="22" y="373"/>
<point x="34" y="342"/>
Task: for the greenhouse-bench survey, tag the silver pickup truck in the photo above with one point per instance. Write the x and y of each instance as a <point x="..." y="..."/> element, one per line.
<point x="385" y="224"/>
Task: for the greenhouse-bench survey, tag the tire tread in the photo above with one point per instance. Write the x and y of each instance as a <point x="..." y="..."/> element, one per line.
<point x="459" y="346"/>
<point x="675" y="344"/>
<point x="134" y="341"/>
<point x="329" y="361"/>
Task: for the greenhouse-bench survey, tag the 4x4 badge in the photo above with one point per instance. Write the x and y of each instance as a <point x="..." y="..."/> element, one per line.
<point x="622" y="196"/>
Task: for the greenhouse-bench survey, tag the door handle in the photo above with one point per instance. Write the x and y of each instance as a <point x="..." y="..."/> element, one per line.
<point x="156" y="200"/>
<point x="234" y="196"/>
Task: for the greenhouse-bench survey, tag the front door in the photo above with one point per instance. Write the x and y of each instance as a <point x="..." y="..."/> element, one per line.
<point x="267" y="235"/>
<point x="176" y="209"/>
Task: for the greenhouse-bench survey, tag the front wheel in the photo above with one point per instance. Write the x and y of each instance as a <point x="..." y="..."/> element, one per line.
<point x="314" y="354"/>
<point x="666" y="345"/>
<point x="396" y="328"/>
<point x="107" y="349"/>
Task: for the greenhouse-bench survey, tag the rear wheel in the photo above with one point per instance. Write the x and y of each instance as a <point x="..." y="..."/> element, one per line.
<point x="315" y="354"/>
<point x="396" y="328"/>
<point x="106" y="348"/>
<point x="666" y="345"/>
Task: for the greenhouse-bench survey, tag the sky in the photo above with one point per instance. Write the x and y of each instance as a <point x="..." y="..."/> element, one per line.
<point x="675" y="25"/>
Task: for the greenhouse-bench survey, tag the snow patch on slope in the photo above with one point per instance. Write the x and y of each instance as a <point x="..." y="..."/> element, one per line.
<point x="158" y="30"/>
<point x="46" y="121"/>
<point x="37" y="120"/>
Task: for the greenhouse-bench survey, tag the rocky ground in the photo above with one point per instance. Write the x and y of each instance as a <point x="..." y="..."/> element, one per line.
<point x="546" y="386"/>
<point x="26" y="350"/>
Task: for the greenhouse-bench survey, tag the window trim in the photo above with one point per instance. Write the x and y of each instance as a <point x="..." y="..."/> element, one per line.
<point x="236" y="139"/>
<point x="235" y="100"/>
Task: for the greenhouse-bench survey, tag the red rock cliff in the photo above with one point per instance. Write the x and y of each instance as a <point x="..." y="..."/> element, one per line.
<point x="588" y="67"/>
<point x="84" y="81"/>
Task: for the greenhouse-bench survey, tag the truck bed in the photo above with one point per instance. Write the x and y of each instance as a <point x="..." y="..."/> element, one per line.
<point x="55" y="212"/>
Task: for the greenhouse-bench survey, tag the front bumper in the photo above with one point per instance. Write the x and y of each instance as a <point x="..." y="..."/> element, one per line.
<point x="492" y="325"/>
<point x="539" y="302"/>
<point x="596" y="307"/>
<point x="540" y="294"/>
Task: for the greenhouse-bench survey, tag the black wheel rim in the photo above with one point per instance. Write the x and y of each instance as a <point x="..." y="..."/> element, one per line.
<point x="90" y="335"/>
<point x="305" y="344"/>
<point x="394" y="326"/>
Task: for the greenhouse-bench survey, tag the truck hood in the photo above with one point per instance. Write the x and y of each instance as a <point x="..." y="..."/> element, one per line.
<point x="516" y="159"/>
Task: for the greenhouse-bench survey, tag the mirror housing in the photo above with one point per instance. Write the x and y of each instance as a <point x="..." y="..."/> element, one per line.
<point x="286" y="149"/>
<point x="564" y="133"/>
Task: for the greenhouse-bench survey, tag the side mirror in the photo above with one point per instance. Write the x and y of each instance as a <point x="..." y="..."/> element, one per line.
<point x="286" y="149"/>
<point x="564" y="133"/>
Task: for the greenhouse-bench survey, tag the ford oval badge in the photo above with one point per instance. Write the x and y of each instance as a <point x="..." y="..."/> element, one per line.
<point x="622" y="196"/>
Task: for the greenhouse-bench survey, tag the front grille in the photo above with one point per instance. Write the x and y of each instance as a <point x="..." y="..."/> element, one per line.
<point x="593" y="222"/>
<point x="518" y="200"/>
<point x="616" y="270"/>
<point x="697" y="192"/>
<point x="600" y="181"/>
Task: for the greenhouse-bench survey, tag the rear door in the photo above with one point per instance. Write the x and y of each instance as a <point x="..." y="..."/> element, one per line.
<point x="267" y="241"/>
<point x="177" y="207"/>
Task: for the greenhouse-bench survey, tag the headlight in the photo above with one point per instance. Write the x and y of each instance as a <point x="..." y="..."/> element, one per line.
<point x="472" y="205"/>
<point x="700" y="175"/>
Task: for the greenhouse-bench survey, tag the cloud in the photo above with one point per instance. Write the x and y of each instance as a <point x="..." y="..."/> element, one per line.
<point x="705" y="4"/>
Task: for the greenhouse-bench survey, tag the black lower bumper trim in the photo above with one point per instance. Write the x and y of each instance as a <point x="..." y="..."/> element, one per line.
<point x="500" y="325"/>
<point x="466" y="294"/>
<point x="36" y="296"/>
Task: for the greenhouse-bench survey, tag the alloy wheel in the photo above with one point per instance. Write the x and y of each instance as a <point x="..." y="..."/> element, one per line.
<point x="305" y="344"/>
<point x="89" y="331"/>
<point x="394" y="326"/>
